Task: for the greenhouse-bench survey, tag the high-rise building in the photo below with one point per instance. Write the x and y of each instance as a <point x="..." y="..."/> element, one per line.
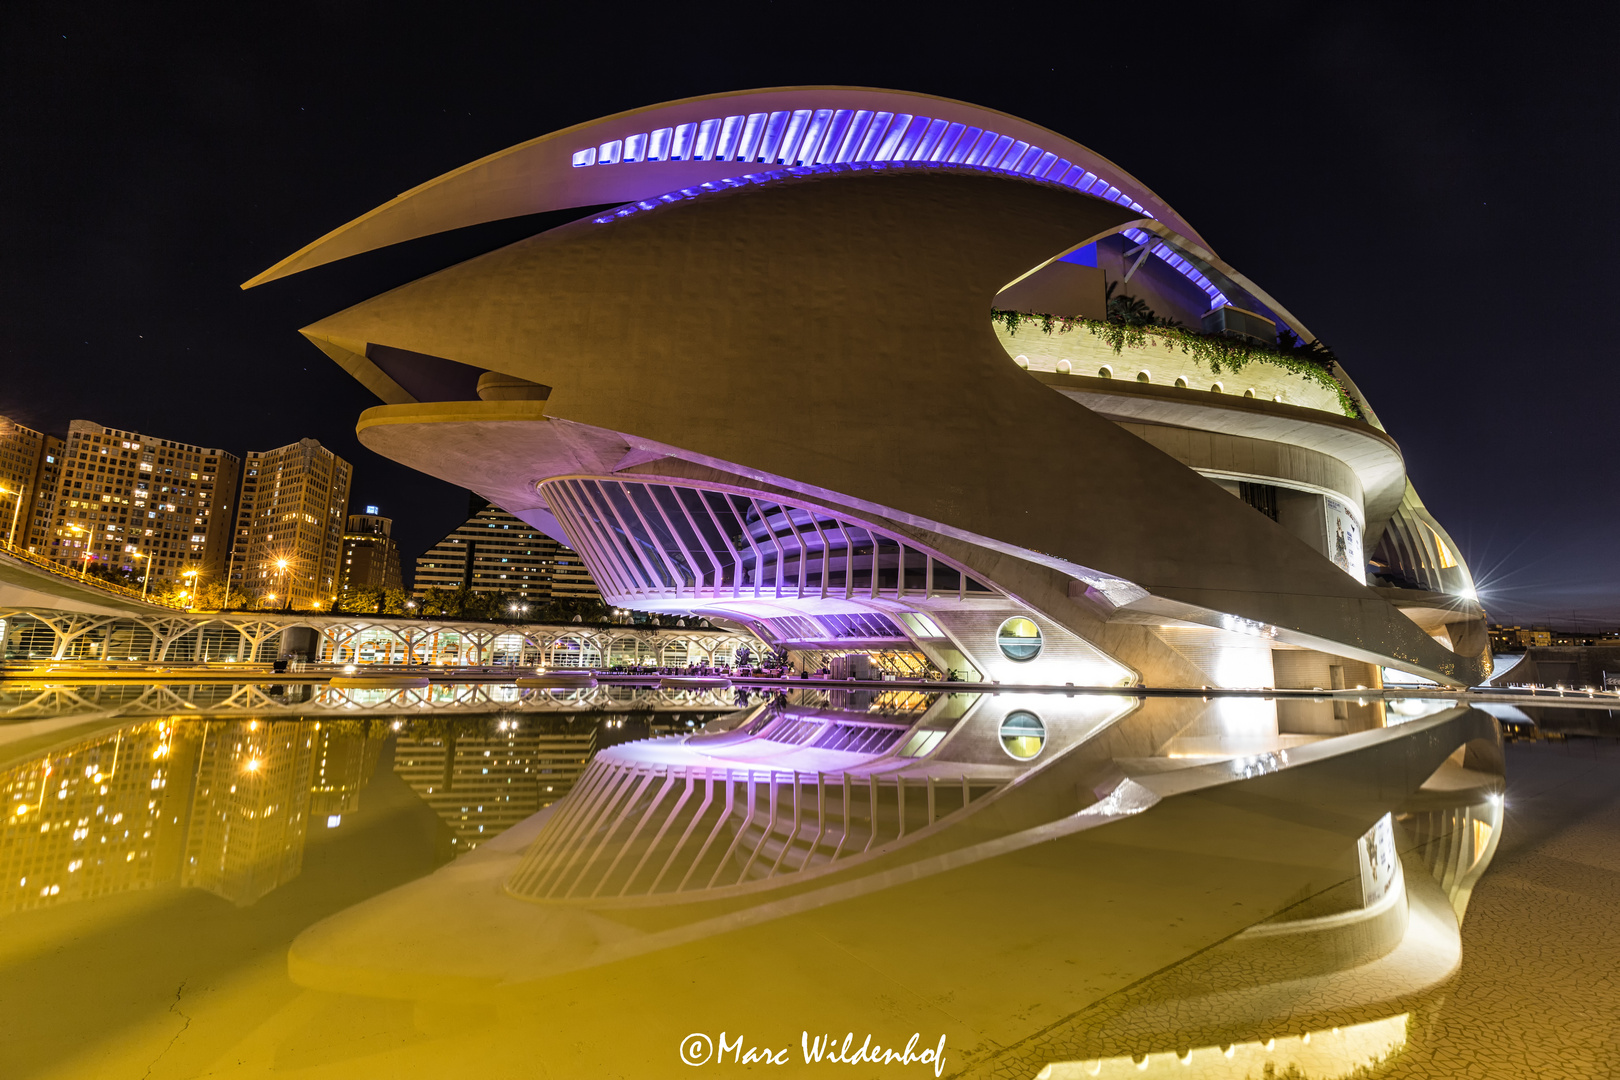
<point x="370" y="555"/>
<point x="35" y="532"/>
<point x="289" y="530"/>
<point x="21" y="453"/>
<point x="494" y="551"/>
<point x="124" y="498"/>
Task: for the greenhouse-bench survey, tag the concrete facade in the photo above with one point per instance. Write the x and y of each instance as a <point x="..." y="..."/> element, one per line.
<point x="777" y="396"/>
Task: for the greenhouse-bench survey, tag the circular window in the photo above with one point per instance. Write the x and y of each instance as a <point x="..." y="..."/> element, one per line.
<point x="1020" y="639"/>
<point x="1023" y="735"/>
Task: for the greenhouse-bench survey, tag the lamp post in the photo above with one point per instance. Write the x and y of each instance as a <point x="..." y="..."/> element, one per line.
<point x="230" y="572"/>
<point x="146" y="578"/>
<point x="11" y="540"/>
<point x="84" y="564"/>
<point x="191" y="595"/>
<point x="281" y="564"/>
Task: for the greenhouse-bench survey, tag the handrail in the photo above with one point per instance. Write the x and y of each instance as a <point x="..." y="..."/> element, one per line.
<point x="56" y="568"/>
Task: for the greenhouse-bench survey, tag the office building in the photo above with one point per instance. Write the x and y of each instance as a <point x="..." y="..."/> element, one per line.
<point x="126" y="499"/>
<point x="497" y="552"/>
<point x="22" y="452"/>
<point x="289" y="531"/>
<point x="370" y="555"/>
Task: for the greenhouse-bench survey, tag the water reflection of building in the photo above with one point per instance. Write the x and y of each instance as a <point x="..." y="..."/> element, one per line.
<point x="90" y="820"/>
<point x="217" y="805"/>
<point x="346" y="754"/>
<point x="486" y="774"/>
<point x="251" y="809"/>
<point x="483" y="775"/>
<point x="1201" y="890"/>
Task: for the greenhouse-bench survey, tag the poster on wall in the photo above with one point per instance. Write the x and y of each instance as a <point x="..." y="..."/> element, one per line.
<point x="1344" y="539"/>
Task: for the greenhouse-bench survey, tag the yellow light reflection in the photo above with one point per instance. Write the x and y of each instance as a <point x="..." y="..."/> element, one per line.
<point x="1334" y="1054"/>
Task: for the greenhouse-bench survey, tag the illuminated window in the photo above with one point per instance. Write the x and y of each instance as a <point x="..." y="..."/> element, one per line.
<point x="1023" y="735"/>
<point x="1019" y="639"/>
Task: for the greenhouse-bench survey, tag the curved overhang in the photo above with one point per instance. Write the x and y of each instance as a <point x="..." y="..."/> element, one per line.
<point x="548" y="173"/>
<point x="1367" y="450"/>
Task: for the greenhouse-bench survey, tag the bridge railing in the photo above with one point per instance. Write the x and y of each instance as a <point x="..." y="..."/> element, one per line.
<point x="61" y="570"/>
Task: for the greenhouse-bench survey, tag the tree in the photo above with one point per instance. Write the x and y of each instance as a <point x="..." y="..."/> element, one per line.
<point x="364" y="598"/>
<point x="218" y="596"/>
<point x="117" y="575"/>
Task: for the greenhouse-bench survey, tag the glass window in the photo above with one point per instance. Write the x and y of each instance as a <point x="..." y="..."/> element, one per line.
<point x="1023" y="735"/>
<point x="1019" y="639"/>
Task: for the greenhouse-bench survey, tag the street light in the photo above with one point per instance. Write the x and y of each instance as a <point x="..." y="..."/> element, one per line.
<point x="146" y="578"/>
<point x="84" y="565"/>
<point x="191" y="597"/>
<point x="11" y="540"/>
<point x="281" y="564"/>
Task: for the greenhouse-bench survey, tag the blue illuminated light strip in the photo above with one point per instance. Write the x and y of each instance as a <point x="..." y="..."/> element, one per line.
<point x="813" y="140"/>
<point x="844" y="137"/>
<point x="775" y="175"/>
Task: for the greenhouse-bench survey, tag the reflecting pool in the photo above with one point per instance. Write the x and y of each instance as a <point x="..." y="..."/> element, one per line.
<point x="487" y="881"/>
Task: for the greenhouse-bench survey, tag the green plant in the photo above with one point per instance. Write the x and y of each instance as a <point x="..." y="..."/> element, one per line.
<point x="1314" y="362"/>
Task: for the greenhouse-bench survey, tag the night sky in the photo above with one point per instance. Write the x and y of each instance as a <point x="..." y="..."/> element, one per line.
<point x="1430" y="190"/>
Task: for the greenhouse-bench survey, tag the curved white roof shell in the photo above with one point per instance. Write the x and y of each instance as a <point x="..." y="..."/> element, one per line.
<point x="644" y="153"/>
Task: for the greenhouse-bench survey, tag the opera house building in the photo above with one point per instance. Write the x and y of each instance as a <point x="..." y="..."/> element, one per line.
<point x="886" y="376"/>
<point x="766" y="385"/>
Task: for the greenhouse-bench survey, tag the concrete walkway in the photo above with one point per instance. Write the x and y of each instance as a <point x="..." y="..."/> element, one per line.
<point x="1538" y="994"/>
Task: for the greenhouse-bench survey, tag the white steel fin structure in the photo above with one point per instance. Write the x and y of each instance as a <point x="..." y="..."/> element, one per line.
<point x="882" y="375"/>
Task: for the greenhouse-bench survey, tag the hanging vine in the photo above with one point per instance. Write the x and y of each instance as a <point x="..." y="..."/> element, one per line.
<point x="1314" y="362"/>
